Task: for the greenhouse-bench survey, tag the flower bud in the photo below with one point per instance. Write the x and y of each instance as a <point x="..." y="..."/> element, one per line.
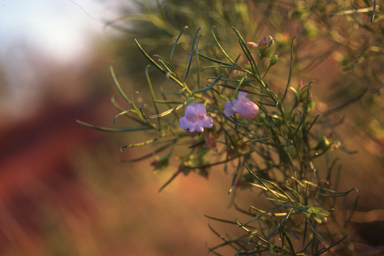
<point x="311" y="105"/>
<point x="273" y="60"/>
<point x="302" y="93"/>
<point x="323" y="143"/>
<point x="327" y="142"/>
<point x="266" y="47"/>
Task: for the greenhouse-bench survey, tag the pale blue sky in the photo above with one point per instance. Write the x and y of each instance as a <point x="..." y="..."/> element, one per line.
<point x="61" y="30"/>
<point x="61" y="27"/>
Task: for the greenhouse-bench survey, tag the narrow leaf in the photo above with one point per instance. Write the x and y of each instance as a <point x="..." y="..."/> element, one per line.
<point x="221" y="48"/>
<point x="118" y="85"/>
<point x="105" y="129"/>
<point x="209" y="86"/>
<point x="217" y="61"/>
<point x="148" y="155"/>
<point x="174" y="47"/>
<point x="167" y="112"/>
<point x="153" y="95"/>
<point x="190" y="55"/>
<point x="247" y="53"/>
<point x="290" y="71"/>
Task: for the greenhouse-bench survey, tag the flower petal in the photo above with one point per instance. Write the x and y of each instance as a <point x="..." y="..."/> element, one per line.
<point x="228" y="111"/>
<point x="242" y="95"/>
<point x="207" y="122"/>
<point x="200" y="110"/>
<point x="191" y="109"/>
<point x="248" y="109"/>
<point x="184" y="123"/>
<point x="192" y="128"/>
<point x="243" y="106"/>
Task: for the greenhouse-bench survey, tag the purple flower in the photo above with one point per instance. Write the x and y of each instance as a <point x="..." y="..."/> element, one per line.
<point x="243" y="106"/>
<point x="195" y="118"/>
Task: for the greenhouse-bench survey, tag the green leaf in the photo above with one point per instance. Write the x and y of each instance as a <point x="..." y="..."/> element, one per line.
<point x="209" y="86"/>
<point x="118" y="85"/>
<point x="237" y="87"/>
<point x="125" y="112"/>
<point x="174" y="47"/>
<point x="305" y="109"/>
<point x="153" y="95"/>
<point x="172" y="77"/>
<point x="105" y="129"/>
<point x="150" y="154"/>
<point x="122" y="110"/>
<point x="148" y="57"/>
<point x="190" y="55"/>
<point x="147" y="142"/>
<point x="217" y="61"/>
<point x="222" y="49"/>
<point x="290" y="71"/>
<point x="235" y="177"/>
<point x="247" y="53"/>
<point x="167" y="112"/>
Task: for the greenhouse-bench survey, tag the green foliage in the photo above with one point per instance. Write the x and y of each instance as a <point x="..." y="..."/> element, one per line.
<point x="274" y="152"/>
<point x="280" y="142"/>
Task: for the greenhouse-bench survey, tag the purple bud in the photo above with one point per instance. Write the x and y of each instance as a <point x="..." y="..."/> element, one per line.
<point x="266" y="47"/>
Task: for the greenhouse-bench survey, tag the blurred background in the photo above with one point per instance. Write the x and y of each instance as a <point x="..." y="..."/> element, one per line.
<point x="65" y="189"/>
